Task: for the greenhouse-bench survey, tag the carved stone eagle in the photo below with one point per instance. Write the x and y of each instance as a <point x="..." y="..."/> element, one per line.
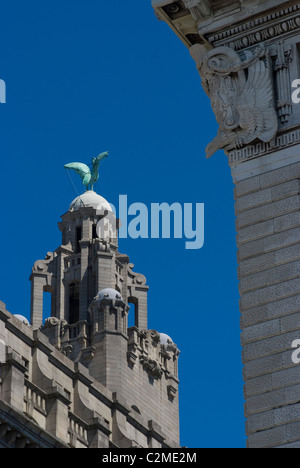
<point x="241" y="95"/>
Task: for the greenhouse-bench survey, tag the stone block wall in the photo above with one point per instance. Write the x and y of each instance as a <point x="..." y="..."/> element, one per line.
<point x="48" y="401"/>
<point x="268" y="226"/>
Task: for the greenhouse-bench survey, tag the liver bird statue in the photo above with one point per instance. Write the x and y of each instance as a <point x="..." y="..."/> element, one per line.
<point x="88" y="175"/>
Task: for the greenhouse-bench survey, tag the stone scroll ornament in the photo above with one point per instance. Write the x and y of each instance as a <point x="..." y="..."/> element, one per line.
<point x="241" y="94"/>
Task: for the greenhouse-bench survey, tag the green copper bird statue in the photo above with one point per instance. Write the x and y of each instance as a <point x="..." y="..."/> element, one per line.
<point x="89" y="176"/>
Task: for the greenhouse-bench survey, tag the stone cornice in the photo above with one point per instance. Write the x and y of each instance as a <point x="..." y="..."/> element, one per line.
<point x="283" y="140"/>
<point x="253" y="32"/>
<point x="210" y="22"/>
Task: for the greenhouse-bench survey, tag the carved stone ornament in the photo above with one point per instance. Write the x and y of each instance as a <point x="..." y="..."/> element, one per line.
<point x="153" y="335"/>
<point x="199" y="8"/>
<point x="51" y="322"/>
<point x="152" y="367"/>
<point x="172" y="391"/>
<point x="14" y="438"/>
<point x="67" y="349"/>
<point x="41" y="266"/>
<point x="241" y="94"/>
<point x="137" y="278"/>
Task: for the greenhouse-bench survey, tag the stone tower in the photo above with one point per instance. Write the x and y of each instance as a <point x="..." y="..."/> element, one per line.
<point x="247" y="54"/>
<point x="81" y="377"/>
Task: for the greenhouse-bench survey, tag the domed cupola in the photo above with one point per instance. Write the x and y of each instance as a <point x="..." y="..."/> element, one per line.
<point x="90" y="199"/>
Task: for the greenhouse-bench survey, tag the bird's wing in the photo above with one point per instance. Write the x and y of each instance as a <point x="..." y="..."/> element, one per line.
<point x="260" y="117"/>
<point x="102" y="156"/>
<point x="95" y="168"/>
<point x="258" y="92"/>
<point x="82" y="169"/>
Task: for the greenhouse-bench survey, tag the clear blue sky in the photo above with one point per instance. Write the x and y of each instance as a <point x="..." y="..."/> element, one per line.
<point x="86" y="77"/>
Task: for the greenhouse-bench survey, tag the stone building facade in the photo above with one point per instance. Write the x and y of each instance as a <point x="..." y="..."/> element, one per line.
<point x="81" y="378"/>
<point x="248" y="55"/>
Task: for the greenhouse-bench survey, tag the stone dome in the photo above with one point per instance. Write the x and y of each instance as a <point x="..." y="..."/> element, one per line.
<point x="22" y="319"/>
<point x="90" y="199"/>
<point x="108" y="293"/>
<point x="165" y="339"/>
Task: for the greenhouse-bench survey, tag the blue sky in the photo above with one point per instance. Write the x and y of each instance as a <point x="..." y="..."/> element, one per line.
<point x="86" y="77"/>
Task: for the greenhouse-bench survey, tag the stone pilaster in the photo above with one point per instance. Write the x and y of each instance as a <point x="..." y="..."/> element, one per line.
<point x="268" y="220"/>
<point x="104" y="267"/>
<point x="247" y="54"/>
<point x="12" y="380"/>
<point x="37" y="300"/>
<point x="57" y="412"/>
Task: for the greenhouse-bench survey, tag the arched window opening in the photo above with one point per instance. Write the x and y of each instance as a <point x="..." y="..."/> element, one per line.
<point x="74" y="303"/>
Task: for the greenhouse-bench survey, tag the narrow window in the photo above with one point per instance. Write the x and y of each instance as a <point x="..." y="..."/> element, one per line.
<point x="47" y="305"/>
<point x="78" y="239"/>
<point x="133" y="312"/>
<point x="73" y="303"/>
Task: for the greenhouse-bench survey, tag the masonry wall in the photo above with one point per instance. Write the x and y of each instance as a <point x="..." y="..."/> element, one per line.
<point x="47" y="400"/>
<point x="142" y="391"/>
<point x="268" y="224"/>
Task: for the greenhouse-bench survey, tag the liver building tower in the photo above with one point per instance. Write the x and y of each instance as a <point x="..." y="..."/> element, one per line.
<point x="81" y="378"/>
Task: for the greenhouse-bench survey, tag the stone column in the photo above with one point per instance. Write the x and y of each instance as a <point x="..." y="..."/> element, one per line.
<point x="41" y="280"/>
<point x="13" y="376"/>
<point x="268" y="224"/>
<point x="59" y="292"/>
<point x="85" y="249"/>
<point x="37" y="300"/>
<point x="104" y="270"/>
<point x="137" y="291"/>
<point x="243" y="91"/>
<point x="247" y="54"/>
<point x="58" y="403"/>
<point x="141" y="319"/>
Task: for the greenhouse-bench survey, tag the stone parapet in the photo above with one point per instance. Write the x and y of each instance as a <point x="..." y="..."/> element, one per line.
<point x="47" y="400"/>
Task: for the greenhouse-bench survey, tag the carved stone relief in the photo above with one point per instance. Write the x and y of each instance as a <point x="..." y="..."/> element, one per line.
<point x="241" y="94"/>
<point x="282" y="64"/>
<point x="152" y="367"/>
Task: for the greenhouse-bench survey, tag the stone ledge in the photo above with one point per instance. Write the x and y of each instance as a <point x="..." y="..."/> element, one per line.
<point x="268" y="312"/>
<point x="272" y="382"/>
<point x="274" y="418"/>
<point x="272" y="400"/>
<point x="273" y="437"/>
